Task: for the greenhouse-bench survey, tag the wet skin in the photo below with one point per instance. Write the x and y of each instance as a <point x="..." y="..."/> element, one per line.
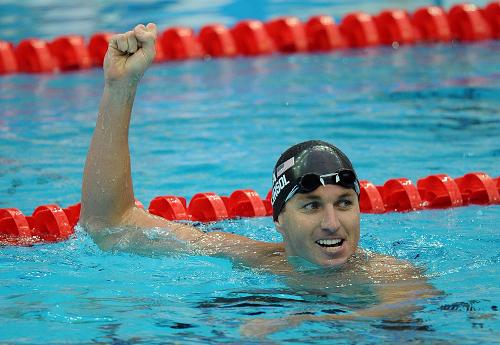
<point x="322" y="226"/>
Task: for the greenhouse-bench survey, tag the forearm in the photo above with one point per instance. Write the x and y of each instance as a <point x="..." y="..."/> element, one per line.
<point x="398" y="300"/>
<point x="393" y="310"/>
<point x="262" y="327"/>
<point x="107" y="184"/>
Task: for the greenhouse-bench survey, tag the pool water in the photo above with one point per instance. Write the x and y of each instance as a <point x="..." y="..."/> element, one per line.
<point x="219" y="125"/>
<point x="46" y="19"/>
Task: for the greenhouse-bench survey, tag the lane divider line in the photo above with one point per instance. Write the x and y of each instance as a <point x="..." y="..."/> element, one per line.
<point x="395" y="27"/>
<point x="51" y="223"/>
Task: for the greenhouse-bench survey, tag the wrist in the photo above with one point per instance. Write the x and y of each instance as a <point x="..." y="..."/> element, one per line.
<point x="121" y="84"/>
<point x="119" y="94"/>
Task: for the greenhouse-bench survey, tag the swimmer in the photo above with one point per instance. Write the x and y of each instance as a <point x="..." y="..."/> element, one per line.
<point x="315" y="198"/>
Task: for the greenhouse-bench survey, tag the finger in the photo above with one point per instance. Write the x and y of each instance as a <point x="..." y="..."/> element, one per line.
<point x="151" y="27"/>
<point x="132" y="42"/>
<point x="113" y="42"/>
<point x="122" y="42"/>
<point x="139" y="27"/>
<point x="146" y="35"/>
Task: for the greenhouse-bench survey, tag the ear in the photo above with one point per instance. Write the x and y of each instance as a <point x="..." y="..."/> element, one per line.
<point x="278" y="223"/>
<point x="279" y="226"/>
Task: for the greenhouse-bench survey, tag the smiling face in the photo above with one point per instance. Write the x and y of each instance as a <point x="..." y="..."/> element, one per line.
<point x="321" y="226"/>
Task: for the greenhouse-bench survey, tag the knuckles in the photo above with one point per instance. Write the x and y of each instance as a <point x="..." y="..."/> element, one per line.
<point x="140" y="34"/>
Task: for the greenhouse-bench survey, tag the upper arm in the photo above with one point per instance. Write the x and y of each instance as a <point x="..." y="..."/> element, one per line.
<point x="140" y="232"/>
<point x="241" y="249"/>
<point x="401" y="281"/>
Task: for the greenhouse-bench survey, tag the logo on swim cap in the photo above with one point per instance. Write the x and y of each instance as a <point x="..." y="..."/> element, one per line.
<point x="279" y="181"/>
<point x="278" y="187"/>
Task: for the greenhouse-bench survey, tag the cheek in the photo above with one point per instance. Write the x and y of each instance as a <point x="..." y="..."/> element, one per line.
<point x="351" y="222"/>
<point x="298" y="226"/>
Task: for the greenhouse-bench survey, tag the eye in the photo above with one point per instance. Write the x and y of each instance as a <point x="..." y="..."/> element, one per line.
<point x="344" y="203"/>
<point x="313" y="205"/>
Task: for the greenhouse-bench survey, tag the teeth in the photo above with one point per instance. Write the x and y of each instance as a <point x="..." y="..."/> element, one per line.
<point x="329" y="242"/>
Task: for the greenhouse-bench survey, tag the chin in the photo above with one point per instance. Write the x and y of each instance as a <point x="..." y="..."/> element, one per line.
<point x="333" y="262"/>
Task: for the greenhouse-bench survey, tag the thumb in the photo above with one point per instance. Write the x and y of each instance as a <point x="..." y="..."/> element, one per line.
<point x="146" y="35"/>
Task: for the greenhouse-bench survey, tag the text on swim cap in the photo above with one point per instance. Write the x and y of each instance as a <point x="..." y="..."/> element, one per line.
<point x="278" y="187"/>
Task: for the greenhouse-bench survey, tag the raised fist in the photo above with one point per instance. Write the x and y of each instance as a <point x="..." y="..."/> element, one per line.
<point x="130" y="54"/>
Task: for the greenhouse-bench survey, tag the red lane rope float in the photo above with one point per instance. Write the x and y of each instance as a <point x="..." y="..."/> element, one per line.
<point x="73" y="214"/>
<point x="323" y="34"/>
<point x="50" y="223"/>
<point x="246" y="203"/>
<point x="8" y="62"/>
<point x="492" y="15"/>
<point x="463" y="22"/>
<point x="70" y="53"/>
<point x="169" y="207"/>
<point x="13" y="223"/>
<point x="207" y="207"/>
<point x="400" y="194"/>
<point x="359" y="30"/>
<point x="288" y="34"/>
<point x="98" y="46"/>
<point x="370" y="199"/>
<point x="217" y="41"/>
<point x="439" y="191"/>
<point x="180" y="43"/>
<point x="33" y="56"/>
<point x="252" y="38"/>
<point x="396" y="26"/>
<point x="478" y="188"/>
<point x="467" y="23"/>
<point x="432" y="24"/>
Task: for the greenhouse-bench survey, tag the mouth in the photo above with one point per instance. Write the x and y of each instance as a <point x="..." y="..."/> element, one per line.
<point x="333" y="243"/>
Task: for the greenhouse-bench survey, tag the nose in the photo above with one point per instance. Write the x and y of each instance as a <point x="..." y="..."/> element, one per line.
<point x="330" y="221"/>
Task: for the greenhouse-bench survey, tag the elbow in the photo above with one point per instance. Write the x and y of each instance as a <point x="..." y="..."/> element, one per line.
<point x="92" y="219"/>
<point x="101" y="230"/>
<point x="98" y="234"/>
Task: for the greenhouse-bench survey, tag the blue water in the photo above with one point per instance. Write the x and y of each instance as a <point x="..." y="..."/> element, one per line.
<point x="50" y="18"/>
<point x="219" y="125"/>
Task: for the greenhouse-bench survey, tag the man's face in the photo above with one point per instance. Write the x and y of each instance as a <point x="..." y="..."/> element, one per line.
<point x="321" y="226"/>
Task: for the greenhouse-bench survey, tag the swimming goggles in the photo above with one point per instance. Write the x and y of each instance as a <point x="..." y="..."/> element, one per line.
<point x="310" y="182"/>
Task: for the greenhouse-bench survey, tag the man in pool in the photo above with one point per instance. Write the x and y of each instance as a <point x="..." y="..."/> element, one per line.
<point x="315" y="204"/>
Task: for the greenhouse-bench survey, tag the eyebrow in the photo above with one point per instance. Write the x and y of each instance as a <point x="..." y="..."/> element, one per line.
<point x="306" y="197"/>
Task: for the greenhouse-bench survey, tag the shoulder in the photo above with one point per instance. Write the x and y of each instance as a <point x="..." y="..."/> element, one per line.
<point x="388" y="267"/>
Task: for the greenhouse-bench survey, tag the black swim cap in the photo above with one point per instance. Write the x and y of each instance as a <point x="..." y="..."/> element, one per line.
<point x="307" y="165"/>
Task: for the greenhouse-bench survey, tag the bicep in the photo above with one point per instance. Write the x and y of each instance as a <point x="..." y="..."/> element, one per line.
<point x="140" y="232"/>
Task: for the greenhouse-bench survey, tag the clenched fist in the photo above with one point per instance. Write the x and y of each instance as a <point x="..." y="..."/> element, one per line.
<point x="130" y="54"/>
